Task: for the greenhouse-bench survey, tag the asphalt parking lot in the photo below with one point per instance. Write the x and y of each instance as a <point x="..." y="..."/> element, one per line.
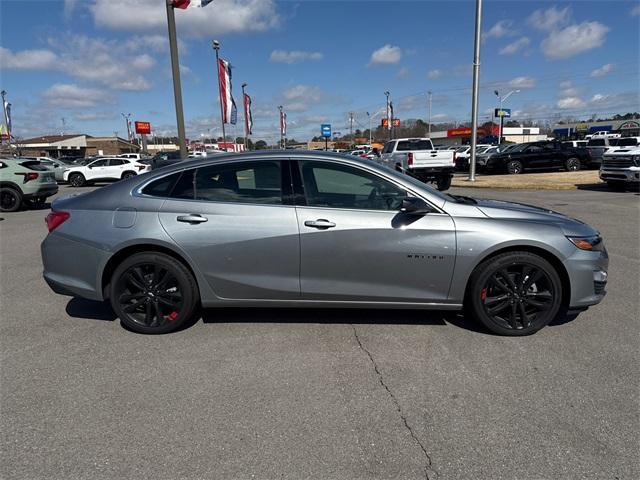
<point x="331" y="394"/>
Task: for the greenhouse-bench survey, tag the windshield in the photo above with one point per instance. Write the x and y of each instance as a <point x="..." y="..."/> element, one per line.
<point x="482" y="149"/>
<point x="412" y="145"/>
<point x="462" y="149"/>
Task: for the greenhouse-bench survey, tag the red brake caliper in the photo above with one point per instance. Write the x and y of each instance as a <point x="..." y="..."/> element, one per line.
<point x="483" y="294"/>
<point x="171" y="316"/>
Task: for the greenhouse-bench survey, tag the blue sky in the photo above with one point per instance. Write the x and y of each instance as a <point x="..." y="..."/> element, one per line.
<point x="88" y="61"/>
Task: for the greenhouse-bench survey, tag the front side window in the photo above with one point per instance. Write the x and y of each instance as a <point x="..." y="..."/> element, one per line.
<point x="246" y="182"/>
<point x="340" y="186"/>
<point x="99" y="163"/>
<point x="388" y="147"/>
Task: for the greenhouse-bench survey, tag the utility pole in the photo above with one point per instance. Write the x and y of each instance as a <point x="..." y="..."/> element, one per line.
<point x="216" y="47"/>
<point x="281" y="123"/>
<point x="126" y="121"/>
<point x="370" y="141"/>
<point x="175" y="69"/>
<point x="351" y="128"/>
<point x="246" y="123"/>
<point x="429" y="92"/>
<point x="474" y="101"/>
<point x="502" y="99"/>
<point x="389" y="120"/>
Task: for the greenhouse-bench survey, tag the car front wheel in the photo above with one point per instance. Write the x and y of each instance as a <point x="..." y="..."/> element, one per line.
<point x="10" y="200"/>
<point x="153" y="293"/>
<point x="515" y="167"/>
<point x="515" y="293"/>
<point x="572" y="165"/>
<point x="77" y="180"/>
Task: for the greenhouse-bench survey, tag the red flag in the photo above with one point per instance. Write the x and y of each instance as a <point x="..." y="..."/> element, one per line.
<point x="181" y="3"/>
<point x="226" y="97"/>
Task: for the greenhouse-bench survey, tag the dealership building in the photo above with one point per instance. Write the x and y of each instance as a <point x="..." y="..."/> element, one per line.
<point x="55" y="146"/>
<point x="578" y="130"/>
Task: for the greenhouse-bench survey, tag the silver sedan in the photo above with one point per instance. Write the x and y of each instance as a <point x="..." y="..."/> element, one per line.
<point x="313" y="229"/>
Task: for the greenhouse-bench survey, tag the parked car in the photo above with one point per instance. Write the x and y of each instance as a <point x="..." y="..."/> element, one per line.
<point x="621" y="168"/>
<point x="602" y="134"/>
<point x="597" y="147"/>
<point x="487" y="153"/>
<point x="418" y="158"/>
<point x="104" y="169"/>
<point x="57" y="166"/>
<point x="313" y="229"/>
<point x="539" y="156"/>
<point x="197" y="155"/>
<point x="24" y="181"/>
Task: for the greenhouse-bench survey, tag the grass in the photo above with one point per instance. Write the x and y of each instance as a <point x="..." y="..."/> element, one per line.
<point x="538" y="181"/>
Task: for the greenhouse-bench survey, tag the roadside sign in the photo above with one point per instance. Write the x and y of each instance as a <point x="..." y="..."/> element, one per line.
<point x="630" y="125"/>
<point x="505" y="112"/>
<point x="325" y="129"/>
<point x="395" y="122"/>
<point x="143" y="128"/>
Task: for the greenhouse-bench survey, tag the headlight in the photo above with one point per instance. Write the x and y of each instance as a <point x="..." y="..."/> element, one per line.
<point x="636" y="160"/>
<point x="587" y="243"/>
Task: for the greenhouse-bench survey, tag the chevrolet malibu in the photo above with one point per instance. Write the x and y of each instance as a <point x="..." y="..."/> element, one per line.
<point x="312" y="229"/>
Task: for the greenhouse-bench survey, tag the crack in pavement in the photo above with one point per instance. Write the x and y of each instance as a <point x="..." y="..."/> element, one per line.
<point x="428" y="467"/>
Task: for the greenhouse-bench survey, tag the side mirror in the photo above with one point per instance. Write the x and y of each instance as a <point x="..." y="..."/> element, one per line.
<point x="415" y="206"/>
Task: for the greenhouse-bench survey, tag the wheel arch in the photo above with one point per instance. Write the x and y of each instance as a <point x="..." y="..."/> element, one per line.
<point x="551" y="257"/>
<point x="7" y="184"/>
<point x="119" y="256"/>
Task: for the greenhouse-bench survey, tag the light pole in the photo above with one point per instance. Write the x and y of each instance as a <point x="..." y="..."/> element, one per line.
<point x="474" y="101"/>
<point x="216" y="47"/>
<point x="281" y="129"/>
<point x="246" y="123"/>
<point x="502" y="99"/>
<point x="126" y="120"/>
<point x="175" y="69"/>
<point x="369" y="115"/>
<point x="389" y="120"/>
<point x="429" y="92"/>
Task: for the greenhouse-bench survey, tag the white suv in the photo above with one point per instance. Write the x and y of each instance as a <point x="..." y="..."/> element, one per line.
<point x="104" y="169"/>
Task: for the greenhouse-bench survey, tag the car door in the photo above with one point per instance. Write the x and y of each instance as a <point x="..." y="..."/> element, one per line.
<point x="97" y="170"/>
<point x="534" y="157"/>
<point x="237" y="223"/>
<point x="357" y="246"/>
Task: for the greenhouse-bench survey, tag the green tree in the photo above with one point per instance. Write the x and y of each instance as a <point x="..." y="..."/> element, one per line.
<point x="260" y="145"/>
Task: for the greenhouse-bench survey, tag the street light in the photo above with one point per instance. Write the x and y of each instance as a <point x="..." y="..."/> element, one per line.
<point x="246" y="123"/>
<point x="216" y="46"/>
<point x="502" y="99"/>
<point x="429" y="92"/>
<point x="369" y="116"/>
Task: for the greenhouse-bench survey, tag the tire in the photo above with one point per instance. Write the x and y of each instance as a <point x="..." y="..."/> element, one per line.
<point x="153" y="293"/>
<point x="515" y="167"/>
<point x="129" y="174"/>
<point x="10" y="199"/>
<point x="572" y="164"/>
<point x="492" y="299"/>
<point x="617" y="185"/>
<point x="77" y="180"/>
<point x="36" y="202"/>
<point x="443" y="183"/>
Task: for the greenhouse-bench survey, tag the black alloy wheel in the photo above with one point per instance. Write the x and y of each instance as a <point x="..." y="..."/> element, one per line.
<point x="10" y="200"/>
<point x="515" y="167"/>
<point x="572" y="165"/>
<point x="153" y="293"/>
<point x="77" y="180"/>
<point x="516" y="293"/>
<point x="126" y="175"/>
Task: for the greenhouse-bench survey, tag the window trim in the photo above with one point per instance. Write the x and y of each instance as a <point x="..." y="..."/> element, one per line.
<point x="299" y="186"/>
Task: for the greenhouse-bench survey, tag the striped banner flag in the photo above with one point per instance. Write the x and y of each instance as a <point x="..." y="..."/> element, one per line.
<point x="248" y="118"/>
<point x="190" y="3"/>
<point x="228" y="103"/>
<point x="283" y="123"/>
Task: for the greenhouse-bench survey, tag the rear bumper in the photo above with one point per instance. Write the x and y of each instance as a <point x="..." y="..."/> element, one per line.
<point x="624" y="175"/>
<point x="42" y="192"/>
<point x="431" y="171"/>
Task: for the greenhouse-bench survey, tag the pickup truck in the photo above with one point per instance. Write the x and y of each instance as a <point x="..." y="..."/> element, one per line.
<point x="418" y="158"/>
<point x="599" y="146"/>
<point x="621" y="167"/>
<point x="602" y="134"/>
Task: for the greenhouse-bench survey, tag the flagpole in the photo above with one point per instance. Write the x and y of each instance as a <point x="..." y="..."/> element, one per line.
<point x="216" y="47"/>
<point x="175" y="68"/>
<point x="246" y="123"/>
<point x="281" y="125"/>
<point x="6" y="118"/>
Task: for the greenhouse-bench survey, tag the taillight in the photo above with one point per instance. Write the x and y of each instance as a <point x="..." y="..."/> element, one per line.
<point x="410" y="159"/>
<point x="55" y="219"/>
<point x="141" y="167"/>
<point x="28" y="176"/>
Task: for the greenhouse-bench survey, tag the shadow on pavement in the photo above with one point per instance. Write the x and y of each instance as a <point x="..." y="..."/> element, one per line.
<point x="603" y="187"/>
<point x="90" y="309"/>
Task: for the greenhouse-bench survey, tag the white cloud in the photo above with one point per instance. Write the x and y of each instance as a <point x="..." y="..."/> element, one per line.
<point x="386" y="55"/>
<point x="402" y="73"/>
<point x="602" y="71"/>
<point x="514" y="47"/>
<point x="522" y="82"/>
<point x="434" y="74"/>
<point x="294" y="56"/>
<point x="300" y="98"/>
<point x="549" y="19"/>
<point x="499" y="30"/>
<point x="28" y="59"/>
<point x="72" y="96"/>
<point x="95" y="116"/>
<point x="571" y="102"/>
<point x="635" y="11"/>
<point x="574" y="39"/>
<point x="219" y="18"/>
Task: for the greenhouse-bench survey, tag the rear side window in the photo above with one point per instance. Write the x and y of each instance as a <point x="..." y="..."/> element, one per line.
<point x="163" y="186"/>
<point x="412" y="145"/>
<point x="246" y="182"/>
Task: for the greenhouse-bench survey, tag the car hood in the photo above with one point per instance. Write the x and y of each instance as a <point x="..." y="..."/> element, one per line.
<point x="519" y="211"/>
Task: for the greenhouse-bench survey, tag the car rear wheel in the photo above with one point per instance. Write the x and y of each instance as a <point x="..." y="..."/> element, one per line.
<point x="153" y="293"/>
<point x="126" y="175"/>
<point x="572" y="165"/>
<point x="10" y="199"/>
<point x="514" y="294"/>
<point x="515" y="167"/>
<point x="77" y="180"/>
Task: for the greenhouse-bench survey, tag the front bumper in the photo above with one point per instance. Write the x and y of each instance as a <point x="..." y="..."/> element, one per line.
<point x="623" y="175"/>
<point x="588" y="273"/>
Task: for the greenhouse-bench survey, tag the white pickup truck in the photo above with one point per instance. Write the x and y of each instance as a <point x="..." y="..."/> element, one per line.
<point x="602" y="134"/>
<point x="621" y="168"/>
<point x="418" y="158"/>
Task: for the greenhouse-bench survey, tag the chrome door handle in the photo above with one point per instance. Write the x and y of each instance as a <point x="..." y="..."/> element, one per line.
<point x="193" y="218"/>
<point x="321" y="223"/>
